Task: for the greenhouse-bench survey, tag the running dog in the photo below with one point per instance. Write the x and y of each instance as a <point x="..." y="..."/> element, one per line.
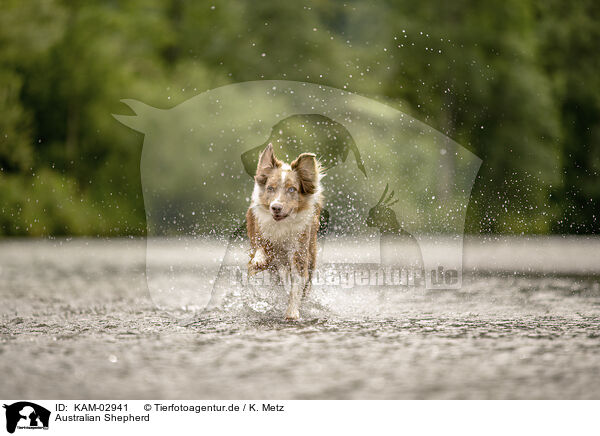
<point x="282" y="222"/>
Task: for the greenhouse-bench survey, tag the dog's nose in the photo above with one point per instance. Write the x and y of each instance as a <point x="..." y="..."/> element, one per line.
<point x="276" y="207"/>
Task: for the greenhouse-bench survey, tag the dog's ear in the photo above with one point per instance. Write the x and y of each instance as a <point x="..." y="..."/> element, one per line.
<point x="308" y="172"/>
<point x="266" y="163"/>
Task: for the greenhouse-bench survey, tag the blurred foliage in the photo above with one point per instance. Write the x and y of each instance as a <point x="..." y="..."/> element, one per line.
<point x="516" y="82"/>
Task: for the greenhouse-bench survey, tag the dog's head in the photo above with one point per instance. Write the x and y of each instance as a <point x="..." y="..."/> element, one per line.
<point x="286" y="189"/>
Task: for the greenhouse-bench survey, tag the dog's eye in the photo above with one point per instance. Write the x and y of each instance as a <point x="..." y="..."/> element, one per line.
<point x="291" y="190"/>
<point x="270" y="188"/>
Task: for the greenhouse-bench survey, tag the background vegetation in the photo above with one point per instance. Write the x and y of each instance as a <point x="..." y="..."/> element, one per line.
<point x="514" y="81"/>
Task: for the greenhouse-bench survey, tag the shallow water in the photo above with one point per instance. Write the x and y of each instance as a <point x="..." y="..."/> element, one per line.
<point x="77" y="322"/>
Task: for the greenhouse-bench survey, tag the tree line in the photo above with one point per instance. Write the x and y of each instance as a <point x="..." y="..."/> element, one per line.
<point x="515" y="82"/>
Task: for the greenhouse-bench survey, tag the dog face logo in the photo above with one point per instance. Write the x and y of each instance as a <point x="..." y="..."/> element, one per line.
<point x="26" y="415"/>
<point x="393" y="176"/>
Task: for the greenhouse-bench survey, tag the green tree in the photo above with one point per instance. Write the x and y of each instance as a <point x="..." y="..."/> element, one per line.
<point x="569" y="35"/>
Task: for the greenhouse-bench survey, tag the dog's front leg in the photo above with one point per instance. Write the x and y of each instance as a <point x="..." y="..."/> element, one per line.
<point x="299" y="278"/>
<point x="297" y="285"/>
<point x="289" y="279"/>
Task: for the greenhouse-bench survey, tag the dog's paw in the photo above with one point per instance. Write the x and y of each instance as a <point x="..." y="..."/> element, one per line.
<point x="260" y="259"/>
<point x="258" y="262"/>
<point x="292" y="315"/>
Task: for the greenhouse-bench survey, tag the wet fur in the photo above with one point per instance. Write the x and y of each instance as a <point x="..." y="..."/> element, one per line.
<point x="287" y="247"/>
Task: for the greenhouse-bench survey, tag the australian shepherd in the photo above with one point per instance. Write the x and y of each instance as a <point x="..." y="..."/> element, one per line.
<point x="282" y="222"/>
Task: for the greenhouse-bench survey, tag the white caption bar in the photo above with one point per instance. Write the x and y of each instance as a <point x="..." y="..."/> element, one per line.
<point x="299" y="417"/>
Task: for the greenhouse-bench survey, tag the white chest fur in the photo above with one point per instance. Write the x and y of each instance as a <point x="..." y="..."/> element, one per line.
<point x="285" y="232"/>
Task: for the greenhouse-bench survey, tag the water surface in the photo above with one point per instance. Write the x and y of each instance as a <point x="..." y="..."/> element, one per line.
<point x="77" y="322"/>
